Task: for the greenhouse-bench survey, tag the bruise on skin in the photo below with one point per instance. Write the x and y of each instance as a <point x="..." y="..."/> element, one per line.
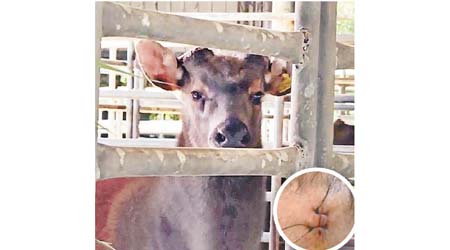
<point x="165" y="225"/>
<point x="322" y="223"/>
<point x="232" y="219"/>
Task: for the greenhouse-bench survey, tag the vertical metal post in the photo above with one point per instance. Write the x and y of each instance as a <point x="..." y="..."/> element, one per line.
<point x="138" y="84"/>
<point x="327" y="67"/>
<point x="278" y="109"/>
<point x="312" y="91"/>
<point x="303" y="122"/>
<point x="98" y="37"/>
<point x="117" y="123"/>
<point x="278" y="113"/>
<point x="129" y="104"/>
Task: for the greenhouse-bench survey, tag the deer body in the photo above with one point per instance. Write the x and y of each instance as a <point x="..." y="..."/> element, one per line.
<point x="200" y="213"/>
<point x="221" y="108"/>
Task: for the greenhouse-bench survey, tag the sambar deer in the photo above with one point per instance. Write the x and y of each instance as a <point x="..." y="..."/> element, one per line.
<point x="221" y="107"/>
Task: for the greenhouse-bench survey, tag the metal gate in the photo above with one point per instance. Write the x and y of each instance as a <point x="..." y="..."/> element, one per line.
<point x="312" y="95"/>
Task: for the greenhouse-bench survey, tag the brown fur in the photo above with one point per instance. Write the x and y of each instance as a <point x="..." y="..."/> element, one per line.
<point x="227" y="84"/>
<point x="192" y="213"/>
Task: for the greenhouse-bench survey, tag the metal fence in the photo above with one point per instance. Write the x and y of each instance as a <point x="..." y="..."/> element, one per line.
<point x="311" y="107"/>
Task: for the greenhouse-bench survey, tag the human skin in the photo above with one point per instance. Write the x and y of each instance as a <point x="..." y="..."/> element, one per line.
<point x="316" y="211"/>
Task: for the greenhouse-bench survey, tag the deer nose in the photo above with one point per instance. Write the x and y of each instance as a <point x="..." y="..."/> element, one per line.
<point x="232" y="133"/>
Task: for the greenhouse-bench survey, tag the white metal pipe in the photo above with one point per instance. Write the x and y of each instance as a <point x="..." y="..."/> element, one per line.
<point x="137" y="85"/>
<point x="294" y="78"/>
<point x="137" y="94"/>
<point x="98" y="37"/>
<point x="344" y="149"/>
<point x="130" y="161"/>
<point x="326" y="68"/>
<point x="303" y="117"/>
<point x="280" y="8"/>
<point x="129" y="110"/>
<point x="238" y="16"/>
<point x="342" y="106"/>
<point x="139" y="143"/>
<point x="135" y="116"/>
<point x="278" y="115"/>
<point x="344" y="99"/>
<point x="120" y="20"/>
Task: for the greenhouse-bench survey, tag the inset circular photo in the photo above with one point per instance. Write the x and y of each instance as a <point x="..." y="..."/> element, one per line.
<point x="314" y="210"/>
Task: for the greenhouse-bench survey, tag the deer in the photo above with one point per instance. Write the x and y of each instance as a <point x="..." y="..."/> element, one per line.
<point x="221" y="97"/>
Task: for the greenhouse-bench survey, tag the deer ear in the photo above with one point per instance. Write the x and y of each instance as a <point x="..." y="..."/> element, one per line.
<point x="160" y="64"/>
<point x="277" y="79"/>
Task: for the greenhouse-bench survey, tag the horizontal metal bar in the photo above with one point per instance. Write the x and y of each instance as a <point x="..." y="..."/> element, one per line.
<point x="344" y="149"/>
<point x="342" y="106"/>
<point x="133" y="161"/>
<point x="136" y="94"/>
<point x="160" y="127"/>
<point x="143" y="94"/>
<point x="242" y="16"/>
<point x="139" y="143"/>
<point x="156" y="142"/>
<point x="114" y="62"/>
<point x="344" y="98"/>
<point x="237" y="16"/>
<point x="160" y="104"/>
<point x="344" y="163"/>
<point x="174" y="104"/>
<point x="345" y="56"/>
<point x="111" y="106"/>
<point x="120" y="20"/>
<point x="129" y="161"/>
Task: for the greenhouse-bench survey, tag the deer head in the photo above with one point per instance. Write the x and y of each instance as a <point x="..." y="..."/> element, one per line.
<point x="221" y="94"/>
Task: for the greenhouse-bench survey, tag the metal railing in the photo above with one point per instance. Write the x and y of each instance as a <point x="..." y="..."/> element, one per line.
<point x="312" y="102"/>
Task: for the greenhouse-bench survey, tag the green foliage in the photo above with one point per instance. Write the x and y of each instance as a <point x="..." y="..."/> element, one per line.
<point x="175" y="117"/>
<point x="346" y="17"/>
<point x="149" y="116"/>
<point x="153" y="116"/>
<point x="104" y="65"/>
<point x="345" y="26"/>
<point x="159" y="116"/>
<point x="121" y="81"/>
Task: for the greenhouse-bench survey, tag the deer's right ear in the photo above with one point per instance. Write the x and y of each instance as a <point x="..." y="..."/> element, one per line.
<point x="159" y="63"/>
<point x="278" y="80"/>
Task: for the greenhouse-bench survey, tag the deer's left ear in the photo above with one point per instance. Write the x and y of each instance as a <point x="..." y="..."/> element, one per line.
<point x="278" y="79"/>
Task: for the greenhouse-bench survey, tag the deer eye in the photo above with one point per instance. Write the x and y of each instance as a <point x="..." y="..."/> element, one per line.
<point x="256" y="98"/>
<point x="196" y="95"/>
